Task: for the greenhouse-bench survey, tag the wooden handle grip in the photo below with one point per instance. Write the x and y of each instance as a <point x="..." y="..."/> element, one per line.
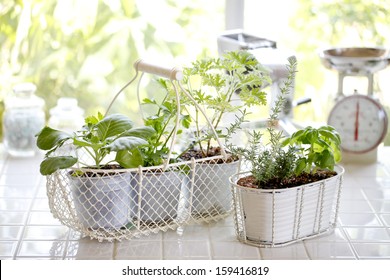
<point x="147" y="67"/>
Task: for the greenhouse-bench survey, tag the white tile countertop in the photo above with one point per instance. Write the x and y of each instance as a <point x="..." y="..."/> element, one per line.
<point x="28" y="230"/>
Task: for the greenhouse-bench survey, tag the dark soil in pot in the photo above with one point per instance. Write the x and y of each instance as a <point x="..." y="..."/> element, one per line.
<point x="294" y="181"/>
<point x="101" y="171"/>
<point x="213" y="151"/>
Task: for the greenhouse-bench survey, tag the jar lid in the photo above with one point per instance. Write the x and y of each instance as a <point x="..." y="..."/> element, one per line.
<point x="25" y="87"/>
<point x="66" y="105"/>
<point x="24" y="97"/>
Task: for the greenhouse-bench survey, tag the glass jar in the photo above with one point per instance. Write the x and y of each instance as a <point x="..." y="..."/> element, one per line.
<point x="66" y="116"/>
<point x="23" y="118"/>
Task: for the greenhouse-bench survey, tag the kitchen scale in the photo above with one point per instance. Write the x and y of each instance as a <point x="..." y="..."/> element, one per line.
<point x="360" y="119"/>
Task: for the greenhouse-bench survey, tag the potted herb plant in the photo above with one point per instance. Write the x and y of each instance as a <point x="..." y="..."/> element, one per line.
<point x="156" y="188"/>
<point x="292" y="188"/>
<point x="219" y="87"/>
<point x="103" y="146"/>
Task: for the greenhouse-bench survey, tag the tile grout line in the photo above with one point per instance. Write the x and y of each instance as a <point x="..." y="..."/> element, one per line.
<point x="25" y="224"/>
<point x="260" y="253"/>
<point x="376" y="213"/>
<point x="114" y="250"/>
<point x="306" y="250"/>
<point x="67" y="243"/>
<point x="355" y="254"/>
<point x="162" y="245"/>
<point x="210" y="243"/>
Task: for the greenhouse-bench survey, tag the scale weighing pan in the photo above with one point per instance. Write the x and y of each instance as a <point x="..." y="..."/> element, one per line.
<point x="355" y="60"/>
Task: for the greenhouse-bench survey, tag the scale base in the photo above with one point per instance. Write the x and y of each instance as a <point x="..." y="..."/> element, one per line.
<point x="365" y="158"/>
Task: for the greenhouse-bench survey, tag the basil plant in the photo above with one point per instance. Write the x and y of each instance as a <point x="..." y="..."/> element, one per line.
<point x="98" y="138"/>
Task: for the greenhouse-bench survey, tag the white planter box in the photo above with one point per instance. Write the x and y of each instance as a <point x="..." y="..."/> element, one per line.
<point x="281" y="216"/>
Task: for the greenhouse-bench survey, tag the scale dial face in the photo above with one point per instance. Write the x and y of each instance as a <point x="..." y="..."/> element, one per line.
<point x="361" y="122"/>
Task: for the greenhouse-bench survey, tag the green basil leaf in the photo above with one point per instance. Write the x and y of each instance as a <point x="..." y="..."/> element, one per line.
<point x="113" y="125"/>
<point x="125" y="143"/>
<point x="52" y="164"/>
<point x="326" y="160"/>
<point x="129" y="159"/>
<point x="48" y="138"/>
<point x="143" y="132"/>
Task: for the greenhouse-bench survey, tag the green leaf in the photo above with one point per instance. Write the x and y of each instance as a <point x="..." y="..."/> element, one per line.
<point x="337" y="155"/>
<point x="83" y="143"/>
<point x="155" y="122"/>
<point x="297" y="136"/>
<point x="144" y="132"/>
<point x="286" y="142"/>
<point x="52" y="164"/>
<point x="113" y="125"/>
<point x="320" y="145"/>
<point x="326" y="160"/>
<point x="300" y="165"/>
<point x="48" y="138"/>
<point x="125" y="143"/>
<point x="330" y="134"/>
<point x="312" y="136"/>
<point x="129" y="159"/>
<point x="168" y="107"/>
<point x="186" y="121"/>
<point x="91" y="120"/>
<point x="149" y="101"/>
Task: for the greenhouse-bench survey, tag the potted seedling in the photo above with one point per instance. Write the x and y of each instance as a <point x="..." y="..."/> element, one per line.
<point x="92" y="161"/>
<point x="220" y="87"/>
<point x="292" y="188"/>
<point x="157" y="185"/>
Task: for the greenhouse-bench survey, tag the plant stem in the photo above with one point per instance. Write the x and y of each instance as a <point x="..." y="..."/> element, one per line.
<point x="221" y="113"/>
<point x="92" y="155"/>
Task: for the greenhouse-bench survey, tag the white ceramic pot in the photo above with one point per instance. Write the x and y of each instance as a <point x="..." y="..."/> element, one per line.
<point x="155" y="197"/>
<point x="285" y="215"/>
<point x="211" y="194"/>
<point x="102" y="201"/>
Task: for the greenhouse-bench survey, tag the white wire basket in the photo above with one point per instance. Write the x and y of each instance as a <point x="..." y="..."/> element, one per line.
<point x="278" y="217"/>
<point x="119" y="204"/>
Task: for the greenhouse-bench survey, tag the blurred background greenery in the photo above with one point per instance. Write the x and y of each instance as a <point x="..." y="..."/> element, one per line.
<point x="85" y="49"/>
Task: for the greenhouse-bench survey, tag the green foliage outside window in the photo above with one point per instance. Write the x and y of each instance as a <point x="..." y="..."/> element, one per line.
<point x="335" y="23"/>
<point x="86" y="49"/>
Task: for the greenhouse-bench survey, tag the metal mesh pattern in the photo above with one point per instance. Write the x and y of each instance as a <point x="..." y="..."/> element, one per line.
<point x="270" y="218"/>
<point x="121" y="204"/>
<point x="126" y="203"/>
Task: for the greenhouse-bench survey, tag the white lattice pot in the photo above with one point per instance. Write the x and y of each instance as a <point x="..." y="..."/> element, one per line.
<point x="211" y="190"/>
<point x="281" y="216"/>
<point x="155" y="196"/>
<point x="101" y="201"/>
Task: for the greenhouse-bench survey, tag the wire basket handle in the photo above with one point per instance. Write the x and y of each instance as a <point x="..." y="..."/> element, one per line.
<point x="169" y="73"/>
<point x="147" y="67"/>
<point x="173" y="74"/>
<point x="176" y="74"/>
